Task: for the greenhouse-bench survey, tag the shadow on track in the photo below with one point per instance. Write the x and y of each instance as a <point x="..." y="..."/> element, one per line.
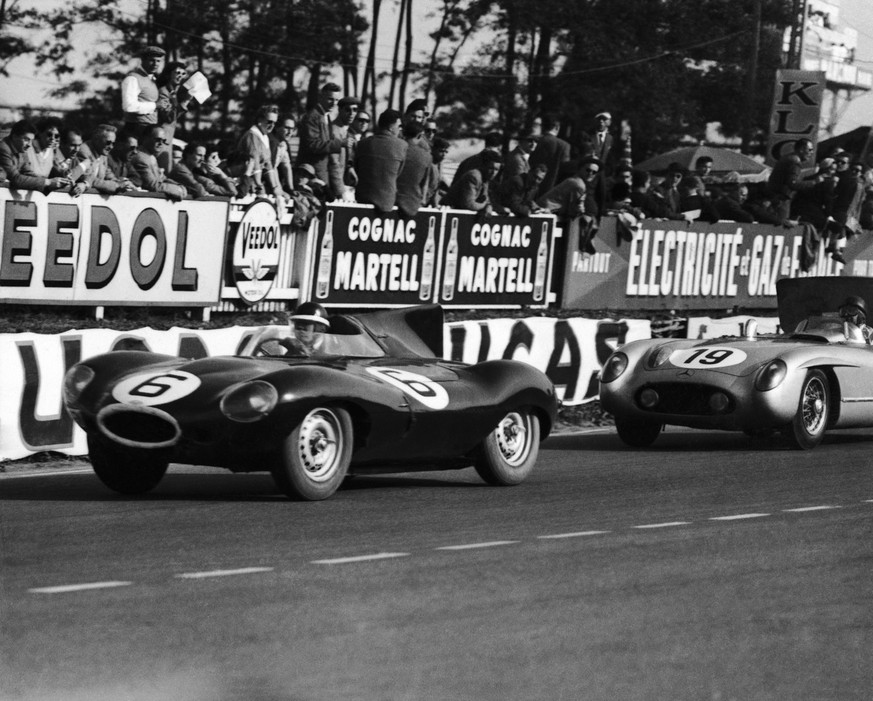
<point x="212" y="485"/>
<point x="690" y="440"/>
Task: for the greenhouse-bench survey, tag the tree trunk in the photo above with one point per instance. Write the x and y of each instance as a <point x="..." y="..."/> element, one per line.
<point x="407" y="56"/>
<point x="396" y="58"/>
<point x="369" y="69"/>
<point x="508" y="97"/>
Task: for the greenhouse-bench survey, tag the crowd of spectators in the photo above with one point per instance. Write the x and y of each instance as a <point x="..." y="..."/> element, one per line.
<point x="332" y="154"/>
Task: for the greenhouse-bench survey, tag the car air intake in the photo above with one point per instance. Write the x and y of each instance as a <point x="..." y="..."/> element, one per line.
<point x="138" y="426"/>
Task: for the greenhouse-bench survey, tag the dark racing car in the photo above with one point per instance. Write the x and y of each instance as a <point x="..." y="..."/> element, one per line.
<point x="375" y="396"/>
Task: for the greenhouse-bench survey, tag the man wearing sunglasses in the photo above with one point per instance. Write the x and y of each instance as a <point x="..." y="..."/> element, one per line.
<point x="99" y="175"/>
<point x="147" y="174"/>
<point x="14" y="161"/>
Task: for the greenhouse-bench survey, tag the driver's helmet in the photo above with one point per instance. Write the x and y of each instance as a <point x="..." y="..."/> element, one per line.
<point x="309" y="323"/>
<point x="854" y="309"/>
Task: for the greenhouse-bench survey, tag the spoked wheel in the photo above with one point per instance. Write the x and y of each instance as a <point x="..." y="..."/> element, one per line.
<point x="315" y="457"/>
<point x="508" y="455"/>
<point x="637" y="434"/>
<point x="126" y="470"/>
<point x="809" y="424"/>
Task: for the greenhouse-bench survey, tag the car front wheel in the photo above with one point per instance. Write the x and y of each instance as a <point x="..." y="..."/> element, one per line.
<point x="315" y="457"/>
<point x="126" y="470"/>
<point x="808" y="427"/>
<point x="508" y="455"/>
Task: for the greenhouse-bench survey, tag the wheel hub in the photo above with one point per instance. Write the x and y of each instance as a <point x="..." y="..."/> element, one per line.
<point x="512" y="437"/>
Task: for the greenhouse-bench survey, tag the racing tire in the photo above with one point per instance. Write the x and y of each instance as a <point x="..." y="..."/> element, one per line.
<point x="638" y="434"/>
<point x="128" y="471"/>
<point x="316" y="455"/>
<point x="808" y="427"/>
<point x="508" y="454"/>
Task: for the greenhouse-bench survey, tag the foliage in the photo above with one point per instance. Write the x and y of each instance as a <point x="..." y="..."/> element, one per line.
<point x="667" y="67"/>
<point x="250" y="51"/>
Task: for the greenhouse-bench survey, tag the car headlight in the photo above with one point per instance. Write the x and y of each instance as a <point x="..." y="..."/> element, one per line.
<point x="76" y="380"/>
<point x="771" y="375"/>
<point x="659" y="356"/>
<point x="615" y="365"/>
<point x="249" y="402"/>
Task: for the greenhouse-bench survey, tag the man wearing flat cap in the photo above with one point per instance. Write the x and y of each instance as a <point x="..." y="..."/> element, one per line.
<point x="601" y="139"/>
<point x="139" y="92"/>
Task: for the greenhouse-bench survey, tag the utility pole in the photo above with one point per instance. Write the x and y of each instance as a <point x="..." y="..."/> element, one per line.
<point x="751" y="86"/>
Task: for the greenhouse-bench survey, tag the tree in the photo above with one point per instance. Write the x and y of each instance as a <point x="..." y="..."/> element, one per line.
<point x="253" y="52"/>
<point x="666" y="67"/>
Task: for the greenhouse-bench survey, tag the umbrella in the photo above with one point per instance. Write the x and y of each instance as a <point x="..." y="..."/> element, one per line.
<point x="723" y="160"/>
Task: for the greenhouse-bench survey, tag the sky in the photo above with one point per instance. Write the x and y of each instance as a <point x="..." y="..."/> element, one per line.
<point x="24" y="79"/>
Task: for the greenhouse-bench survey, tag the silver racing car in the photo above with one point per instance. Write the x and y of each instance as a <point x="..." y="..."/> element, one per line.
<point x="815" y="377"/>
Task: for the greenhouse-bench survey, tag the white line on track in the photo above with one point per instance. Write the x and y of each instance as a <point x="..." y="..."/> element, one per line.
<point x="358" y="558"/>
<point x="223" y="573"/>
<point x="804" y="509"/>
<point x="577" y="534"/>
<point x="668" y="524"/>
<point x="737" y="517"/>
<point x="44" y="473"/>
<point x="473" y="546"/>
<point x="65" y="588"/>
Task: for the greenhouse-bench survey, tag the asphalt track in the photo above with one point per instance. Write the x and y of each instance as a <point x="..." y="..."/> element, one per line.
<point x="709" y="567"/>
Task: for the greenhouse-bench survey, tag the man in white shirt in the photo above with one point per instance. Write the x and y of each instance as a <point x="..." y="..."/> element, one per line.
<point x="139" y="92"/>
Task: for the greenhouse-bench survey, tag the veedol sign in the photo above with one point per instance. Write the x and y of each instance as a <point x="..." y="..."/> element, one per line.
<point x="119" y="251"/>
<point x="256" y="251"/>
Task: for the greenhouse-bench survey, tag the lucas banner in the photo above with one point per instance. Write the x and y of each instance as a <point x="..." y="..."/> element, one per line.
<point x="361" y="258"/>
<point x="122" y="250"/>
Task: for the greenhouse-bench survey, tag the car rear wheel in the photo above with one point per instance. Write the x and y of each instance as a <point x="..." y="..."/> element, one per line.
<point x="637" y="434"/>
<point x="126" y="470"/>
<point x="315" y="457"/>
<point x="808" y="427"/>
<point x="508" y="455"/>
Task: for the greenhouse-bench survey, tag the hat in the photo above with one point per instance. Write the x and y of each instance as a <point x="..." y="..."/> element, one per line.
<point x="306" y="168"/>
<point x="153" y="52"/>
<point x="674" y="167"/>
<point x="415" y="105"/>
<point x="491" y="157"/>
<point x="527" y="136"/>
<point x="603" y="114"/>
<point x="350" y="100"/>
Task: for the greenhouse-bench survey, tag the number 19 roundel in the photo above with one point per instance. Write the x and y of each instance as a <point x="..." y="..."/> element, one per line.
<point x="708" y="357"/>
<point x="153" y="388"/>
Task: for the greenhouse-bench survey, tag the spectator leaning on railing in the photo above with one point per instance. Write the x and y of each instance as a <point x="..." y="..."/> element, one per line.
<point x="147" y="173"/>
<point x="99" y="175"/>
<point x="14" y="161"/>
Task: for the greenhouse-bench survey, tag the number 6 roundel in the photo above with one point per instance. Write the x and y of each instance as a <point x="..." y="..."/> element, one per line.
<point x="708" y="357"/>
<point x="153" y="388"/>
<point x="425" y="390"/>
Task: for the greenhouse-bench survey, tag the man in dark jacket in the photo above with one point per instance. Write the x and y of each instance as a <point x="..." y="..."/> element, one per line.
<point x="414" y="176"/>
<point x="317" y="141"/>
<point x="378" y="161"/>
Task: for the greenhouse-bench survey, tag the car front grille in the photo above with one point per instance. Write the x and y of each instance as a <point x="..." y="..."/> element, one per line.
<point x="138" y="426"/>
<point x="685" y="398"/>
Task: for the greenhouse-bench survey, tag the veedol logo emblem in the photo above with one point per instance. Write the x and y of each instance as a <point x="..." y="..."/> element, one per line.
<point x="256" y="252"/>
